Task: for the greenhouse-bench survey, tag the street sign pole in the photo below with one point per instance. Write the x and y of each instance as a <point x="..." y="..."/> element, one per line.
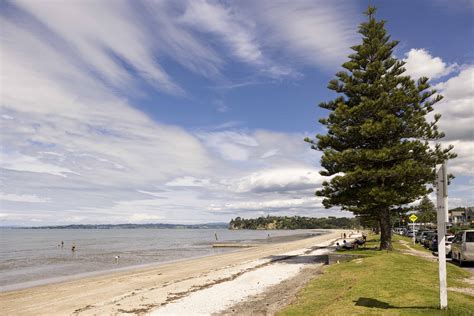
<point x="413" y="219"/>
<point x="442" y="210"/>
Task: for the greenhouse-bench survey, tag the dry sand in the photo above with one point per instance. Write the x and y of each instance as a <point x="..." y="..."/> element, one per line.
<point x="175" y="288"/>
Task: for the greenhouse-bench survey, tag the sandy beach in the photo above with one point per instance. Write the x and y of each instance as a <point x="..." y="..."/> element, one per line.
<point x="208" y="285"/>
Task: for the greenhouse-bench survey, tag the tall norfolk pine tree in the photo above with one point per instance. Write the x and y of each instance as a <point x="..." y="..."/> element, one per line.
<point x="376" y="149"/>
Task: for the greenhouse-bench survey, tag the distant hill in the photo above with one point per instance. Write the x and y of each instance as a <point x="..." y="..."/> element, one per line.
<point x="295" y="222"/>
<point x="134" y="226"/>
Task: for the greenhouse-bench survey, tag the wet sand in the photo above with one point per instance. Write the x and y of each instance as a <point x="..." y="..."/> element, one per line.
<point x="145" y="290"/>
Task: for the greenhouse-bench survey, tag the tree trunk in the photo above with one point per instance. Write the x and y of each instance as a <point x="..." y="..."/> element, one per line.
<point x="376" y="229"/>
<point x="385" y="230"/>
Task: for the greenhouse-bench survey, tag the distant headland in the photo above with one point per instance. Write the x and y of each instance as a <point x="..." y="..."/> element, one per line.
<point x="293" y="222"/>
<point x="131" y="226"/>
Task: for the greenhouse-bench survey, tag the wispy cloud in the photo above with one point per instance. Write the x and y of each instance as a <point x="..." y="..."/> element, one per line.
<point x="88" y="32"/>
<point x="25" y="198"/>
<point x="314" y="33"/>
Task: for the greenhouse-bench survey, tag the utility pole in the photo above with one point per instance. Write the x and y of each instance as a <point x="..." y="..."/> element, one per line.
<point x="442" y="217"/>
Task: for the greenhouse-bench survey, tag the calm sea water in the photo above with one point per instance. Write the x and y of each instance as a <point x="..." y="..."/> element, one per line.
<point x="30" y="257"/>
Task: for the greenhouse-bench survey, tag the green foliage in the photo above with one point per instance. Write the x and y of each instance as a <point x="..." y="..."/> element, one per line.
<point x="294" y="222"/>
<point x="377" y="147"/>
<point x="426" y="211"/>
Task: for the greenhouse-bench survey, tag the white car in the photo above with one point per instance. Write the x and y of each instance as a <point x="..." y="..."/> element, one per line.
<point x="462" y="247"/>
<point x="448" y="242"/>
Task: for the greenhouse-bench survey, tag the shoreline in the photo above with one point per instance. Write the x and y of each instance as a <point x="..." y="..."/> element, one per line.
<point x="236" y="245"/>
<point x="104" y="294"/>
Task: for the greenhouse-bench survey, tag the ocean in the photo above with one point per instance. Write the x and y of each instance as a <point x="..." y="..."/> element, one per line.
<point x="30" y="257"/>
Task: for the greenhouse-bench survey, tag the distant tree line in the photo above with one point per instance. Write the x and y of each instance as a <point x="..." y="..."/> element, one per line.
<point x="133" y="226"/>
<point x="293" y="222"/>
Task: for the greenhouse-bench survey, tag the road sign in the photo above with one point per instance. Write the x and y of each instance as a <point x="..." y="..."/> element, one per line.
<point x="413" y="218"/>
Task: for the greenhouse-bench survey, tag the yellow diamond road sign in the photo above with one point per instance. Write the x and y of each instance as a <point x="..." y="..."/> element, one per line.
<point x="413" y="217"/>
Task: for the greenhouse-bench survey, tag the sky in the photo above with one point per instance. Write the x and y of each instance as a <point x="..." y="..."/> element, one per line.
<point x="195" y="111"/>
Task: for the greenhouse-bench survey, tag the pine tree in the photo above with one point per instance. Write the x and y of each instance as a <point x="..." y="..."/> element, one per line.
<point x="426" y="211"/>
<point x="377" y="147"/>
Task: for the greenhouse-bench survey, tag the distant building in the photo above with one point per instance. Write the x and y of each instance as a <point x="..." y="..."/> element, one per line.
<point x="470" y="215"/>
<point x="461" y="216"/>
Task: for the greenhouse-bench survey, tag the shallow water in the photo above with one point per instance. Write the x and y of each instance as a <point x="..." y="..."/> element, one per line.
<point x="34" y="256"/>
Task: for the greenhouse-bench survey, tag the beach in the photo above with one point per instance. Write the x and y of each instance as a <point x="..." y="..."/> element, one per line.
<point x="180" y="287"/>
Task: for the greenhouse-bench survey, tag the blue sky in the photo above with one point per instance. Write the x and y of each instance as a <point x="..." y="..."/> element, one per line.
<point x="195" y="111"/>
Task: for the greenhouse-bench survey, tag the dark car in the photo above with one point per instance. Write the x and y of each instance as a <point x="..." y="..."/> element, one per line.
<point x="420" y="236"/>
<point x="427" y="240"/>
<point x="433" y="246"/>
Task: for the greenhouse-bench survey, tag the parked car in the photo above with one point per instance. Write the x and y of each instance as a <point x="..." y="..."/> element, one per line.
<point x="410" y="233"/>
<point x="462" y="247"/>
<point x="433" y="244"/>
<point x="427" y="240"/>
<point x="423" y="236"/>
<point x="449" y="240"/>
<point x="398" y="230"/>
<point x="419" y="234"/>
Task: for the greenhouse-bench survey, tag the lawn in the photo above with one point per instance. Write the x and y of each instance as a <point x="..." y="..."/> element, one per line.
<point x="382" y="283"/>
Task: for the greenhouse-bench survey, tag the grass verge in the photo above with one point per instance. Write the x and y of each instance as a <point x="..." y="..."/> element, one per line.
<point x="382" y="283"/>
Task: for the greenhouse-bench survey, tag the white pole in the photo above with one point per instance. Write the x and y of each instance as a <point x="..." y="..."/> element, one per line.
<point x="442" y="205"/>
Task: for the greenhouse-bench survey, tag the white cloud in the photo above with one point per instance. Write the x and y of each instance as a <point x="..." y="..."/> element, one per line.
<point x="419" y="63"/>
<point x="463" y="164"/>
<point x="315" y="33"/>
<point x="90" y="30"/>
<point x="262" y="34"/>
<point x="457" y="119"/>
<point x="23" y="198"/>
<point x="230" y="145"/>
<point x="269" y="205"/>
<point x="84" y="122"/>
<point x="233" y="30"/>
<point x="188" y="182"/>
<point x="280" y="180"/>
<point x="143" y="217"/>
<point x="19" y="162"/>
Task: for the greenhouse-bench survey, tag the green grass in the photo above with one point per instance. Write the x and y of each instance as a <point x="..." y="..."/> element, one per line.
<point x="384" y="283"/>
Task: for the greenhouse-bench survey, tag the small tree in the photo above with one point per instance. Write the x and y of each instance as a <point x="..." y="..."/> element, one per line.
<point x="426" y="211"/>
<point x="377" y="149"/>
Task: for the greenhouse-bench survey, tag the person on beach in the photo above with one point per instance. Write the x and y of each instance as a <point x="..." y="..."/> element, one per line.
<point x="117" y="258"/>
<point x="215" y="235"/>
<point x="62" y="244"/>
<point x="346" y="245"/>
<point x="73" y="249"/>
<point x="344" y="237"/>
